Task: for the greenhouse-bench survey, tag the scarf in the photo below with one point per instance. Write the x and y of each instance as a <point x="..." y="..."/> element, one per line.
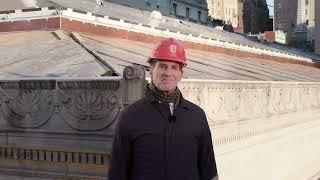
<point x="174" y="97"/>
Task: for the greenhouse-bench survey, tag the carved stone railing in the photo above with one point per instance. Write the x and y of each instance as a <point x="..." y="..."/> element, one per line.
<point x="237" y="104"/>
<point x="259" y="126"/>
<point x="62" y="128"/>
<point x="232" y="101"/>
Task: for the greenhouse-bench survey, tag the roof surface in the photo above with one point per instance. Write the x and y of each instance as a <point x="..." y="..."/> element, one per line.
<point x="17" y="4"/>
<point x="201" y="65"/>
<point x="146" y="18"/>
<point x="173" y="24"/>
<point x="41" y="54"/>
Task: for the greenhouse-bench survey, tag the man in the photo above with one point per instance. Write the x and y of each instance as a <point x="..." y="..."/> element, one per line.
<point x="163" y="136"/>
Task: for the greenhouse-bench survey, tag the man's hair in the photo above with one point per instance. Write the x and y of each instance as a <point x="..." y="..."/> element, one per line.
<point x="154" y="61"/>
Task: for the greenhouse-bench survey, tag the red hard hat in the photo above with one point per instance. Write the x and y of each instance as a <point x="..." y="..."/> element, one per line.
<point x="169" y="50"/>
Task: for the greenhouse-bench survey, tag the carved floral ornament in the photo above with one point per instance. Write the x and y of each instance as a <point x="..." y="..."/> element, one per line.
<point x="89" y="109"/>
<point x="27" y="108"/>
<point x="133" y="72"/>
<point x="89" y="105"/>
<point x="85" y="105"/>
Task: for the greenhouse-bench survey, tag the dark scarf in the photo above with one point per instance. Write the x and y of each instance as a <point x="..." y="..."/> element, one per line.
<point x="174" y="97"/>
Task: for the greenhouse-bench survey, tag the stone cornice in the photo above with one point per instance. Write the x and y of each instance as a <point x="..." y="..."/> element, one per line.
<point x="49" y="155"/>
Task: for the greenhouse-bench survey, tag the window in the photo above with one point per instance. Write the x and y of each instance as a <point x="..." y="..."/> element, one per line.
<point x="199" y="15"/>
<point x="161" y="3"/>
<point x="187" y="12"/>
<point x="148" y="3"/>
<point x="306" y="11"/>
<point x="174" y="8"/>
<point x="307" y="2"/>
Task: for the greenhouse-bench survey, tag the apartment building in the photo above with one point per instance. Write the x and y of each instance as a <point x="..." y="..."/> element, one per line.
<point x="299" y="19"/>
<point x="216" y="9"/>
<point x="193" y="10"/>
<point x="285" y="16"/>
<point x="305" y="25"/>
<point x="229" y="11"/>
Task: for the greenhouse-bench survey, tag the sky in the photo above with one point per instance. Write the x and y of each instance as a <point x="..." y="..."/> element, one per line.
<point x="270" y="6"/>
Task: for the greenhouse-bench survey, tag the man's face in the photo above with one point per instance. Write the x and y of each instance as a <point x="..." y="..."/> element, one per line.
<point x="165" y="75"/>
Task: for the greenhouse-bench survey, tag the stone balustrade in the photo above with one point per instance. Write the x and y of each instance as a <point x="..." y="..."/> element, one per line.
<point x="62" y="127"/>
<point x="261" y="130"/>
<point x="229" y="101"/>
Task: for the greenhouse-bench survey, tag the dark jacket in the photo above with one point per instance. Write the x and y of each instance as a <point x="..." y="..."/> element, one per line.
<point x="152" y="144"/>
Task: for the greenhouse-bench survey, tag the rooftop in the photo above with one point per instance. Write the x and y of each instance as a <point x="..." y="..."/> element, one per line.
<point x="17" y="4"/>
<point x="56" y="54"/>
<point x="41" y="54"/>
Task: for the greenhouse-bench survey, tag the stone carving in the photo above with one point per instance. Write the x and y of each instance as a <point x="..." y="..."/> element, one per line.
<point x="84" y="108"/>
<point x="27" y="108"/>
<point x="261" y="101"/>
<point x="84" y="105"/>
<point x="53" y="156"/>
<point x="81" y="110"/>
<point x="217" y="101"/>
<point x="317" y="96"/>
<point x="133" y="72"/>
<point x="276" y="100"/>
<point x="233" y="100"/>
<point x="29" y="161"/>
<point x="112" y="84"/>
<point x="29" y="84"/>
<point x="238" y="101"/>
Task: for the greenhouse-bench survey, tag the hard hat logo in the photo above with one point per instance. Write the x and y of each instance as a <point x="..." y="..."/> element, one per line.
<point x="173" y="49"/>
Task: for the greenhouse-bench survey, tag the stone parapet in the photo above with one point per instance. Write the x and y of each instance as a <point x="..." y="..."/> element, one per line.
<point x="63" y="127"/>
<point x="232" y="101"/>
<point x="261" y="130"/>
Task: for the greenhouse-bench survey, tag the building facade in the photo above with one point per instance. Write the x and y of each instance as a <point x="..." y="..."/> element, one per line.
<point x="216" y="9"/>
<point x="149" y="5"/>
<point x="192" y="10"/>
<point x="304" y="27"/>
<point x="298" y="18"/>
<point x="285" y="16"/>
<point x="255" y="16"/>
<point x="316" y="35"/>
<point x="229" y="11"/>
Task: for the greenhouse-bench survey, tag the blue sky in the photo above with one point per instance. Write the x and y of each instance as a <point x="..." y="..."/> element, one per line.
<point x="270" y="3"/>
